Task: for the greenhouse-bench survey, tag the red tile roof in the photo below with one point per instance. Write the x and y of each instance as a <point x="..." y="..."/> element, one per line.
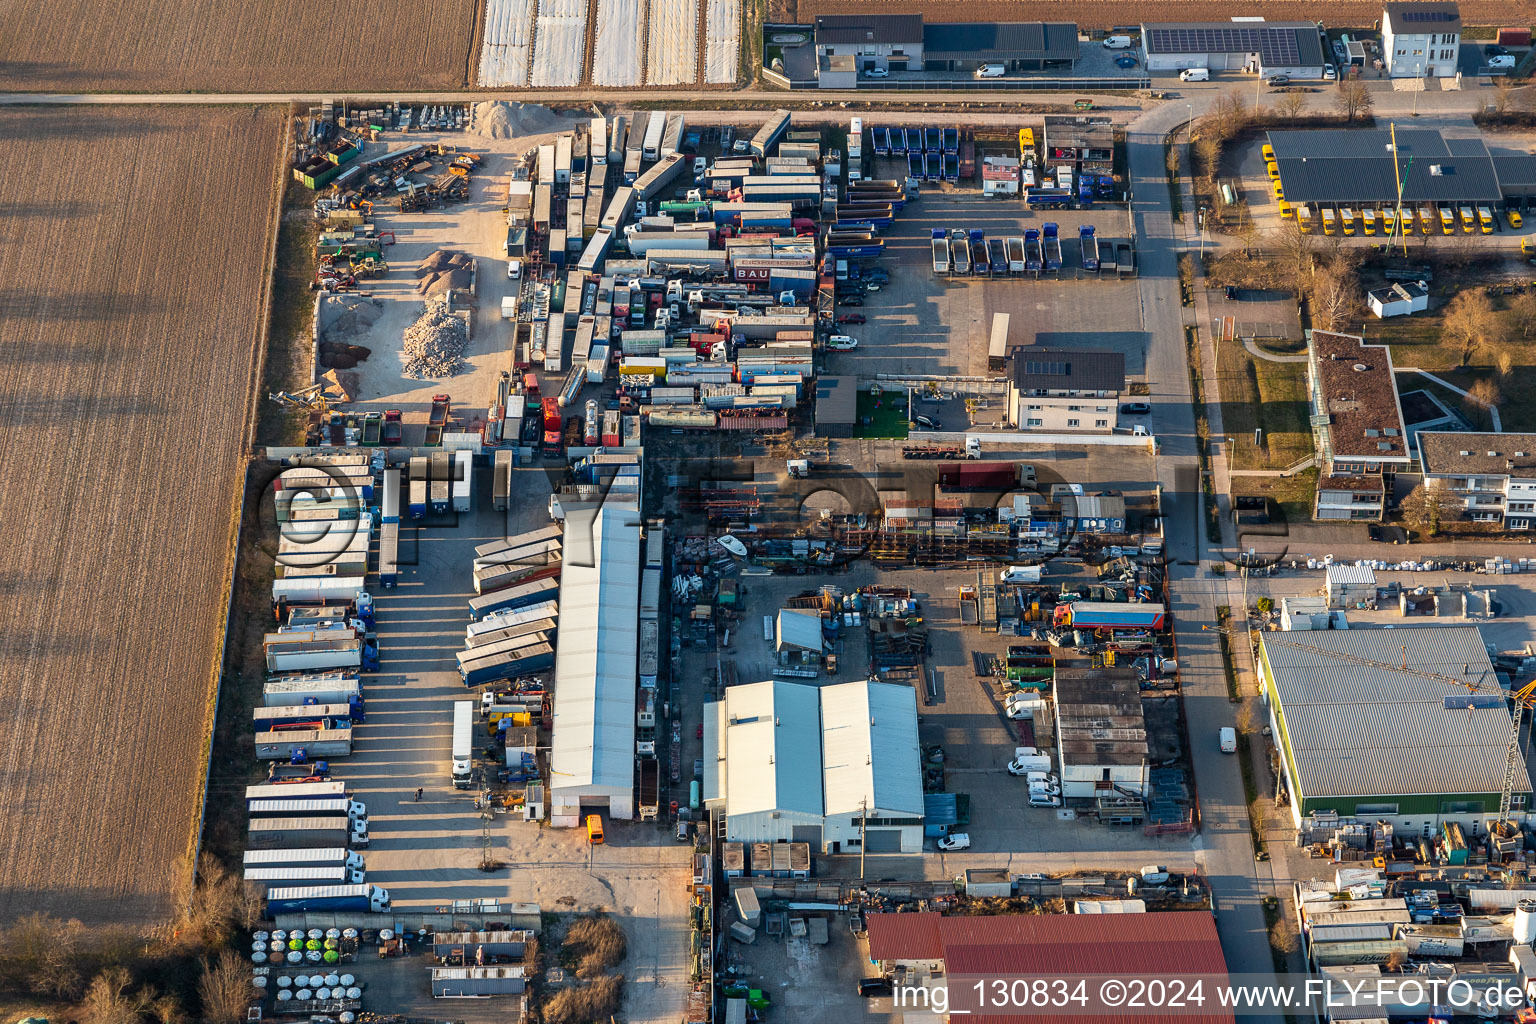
<point x="1158" y="945"/>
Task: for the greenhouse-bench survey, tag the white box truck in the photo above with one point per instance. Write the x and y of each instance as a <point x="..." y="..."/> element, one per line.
<point x="463" y="742"/>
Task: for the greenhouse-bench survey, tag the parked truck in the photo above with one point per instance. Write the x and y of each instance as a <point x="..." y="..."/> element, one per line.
<point x="316" y="874"/>
<point x="304" y="833"/>
<point x="979" y="476"/>
<point x="296" y="716"/>
<point x="508" y="664"/>
<point x="1090" y="247"/>
<point x="325" y="807"/>
<point x="1034" y="259"/>
<point x="321" y="654"/>
<point x="318" y="856"/>
<point x="296" y="791"/>
<point x="328" y="898"/>
<point x="1111" y="615"/>
<point x="437" y="420"/>
<point x="416" y="490"/>
<point x="649" y="773"/>
<point x="960" y="253"/>
<point x="463" y="743"/>
<point x="1052" y="244"/>
<point x="519" y="596"/>
<point x="282" y="746"/>
<point x="335" y="688"/>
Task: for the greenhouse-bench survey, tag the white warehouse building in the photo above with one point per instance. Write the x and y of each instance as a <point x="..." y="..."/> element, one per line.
<point x="592" y="756"/>
<point x="1254" y="46"/>
<point x="835" y="766"/>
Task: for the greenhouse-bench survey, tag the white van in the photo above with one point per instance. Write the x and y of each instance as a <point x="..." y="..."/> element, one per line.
<point x="1117" y="43"/>
<point x="1228" y="740"/>
<point x="1195" y="75"/>
<point x="992" y="71"/>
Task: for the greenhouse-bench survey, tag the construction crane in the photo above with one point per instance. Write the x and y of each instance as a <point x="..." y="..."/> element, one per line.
<point x="1524" y="699"/>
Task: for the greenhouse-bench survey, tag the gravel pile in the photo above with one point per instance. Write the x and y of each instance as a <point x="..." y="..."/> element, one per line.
<point x="434" y="343"/>
<point x="442" y="271"/>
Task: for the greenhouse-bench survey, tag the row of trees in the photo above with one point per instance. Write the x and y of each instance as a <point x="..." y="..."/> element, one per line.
<point x="180" y="971"/>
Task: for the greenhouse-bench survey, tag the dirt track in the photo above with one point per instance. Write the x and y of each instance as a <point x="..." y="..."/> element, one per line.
<point x="220" y="45"/>
<point x="134" y="266"/>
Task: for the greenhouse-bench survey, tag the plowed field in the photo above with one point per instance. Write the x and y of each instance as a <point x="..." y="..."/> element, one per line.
<point x="1092" y="14"/>
<point x="236" y="45"/>
<point x="136" y="243"/>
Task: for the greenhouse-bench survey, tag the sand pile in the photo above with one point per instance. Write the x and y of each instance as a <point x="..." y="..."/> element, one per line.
<point x="498" y="119"/>
<point x="434" y="343"/>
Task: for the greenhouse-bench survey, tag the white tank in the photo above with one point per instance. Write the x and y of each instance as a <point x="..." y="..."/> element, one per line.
<point x="1525" y="922"/>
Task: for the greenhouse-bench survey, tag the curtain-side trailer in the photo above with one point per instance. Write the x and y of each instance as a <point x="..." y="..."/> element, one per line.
<point x="315" y="856"/>
<point x="307" y="874"/>
<point x="297" y="899"/>
<point x="651" y="148"/>
<point x="463" y="743"/>
<point x="337" y="689"/>
<point x="298" y="833"/>
<point x="295" y="790"/>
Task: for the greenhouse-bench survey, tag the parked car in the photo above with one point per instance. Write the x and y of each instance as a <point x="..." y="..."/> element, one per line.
<point x="1044" y="800"/>
<point x="1043" y="789"/>
<point x="842" y="343"/>
<point x="869" y="988"/>
<point x="872" y="286"/>
<point x="1125" y="60"/>
<point x="851" y="318"/>
<point x="1330" y="73"/>
<point x="927" y="421"/>
<point x="1228" y="737"/>
<point x="1494" y="50"/>
<point x="878" y="274"/>
<point x="955" y="841"/>
<point x="876" y="73"/>
<point x="1135" y="408"/>
<point x="1278" y="80"/>
<point x="1506" y="61"/>
<point x="1231" y="291"/>
<point x="850" y="300"/>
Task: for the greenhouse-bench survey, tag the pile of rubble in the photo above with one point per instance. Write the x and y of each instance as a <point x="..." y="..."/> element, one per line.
<point x="444" y="271"/>
<point x="498" y="119"/>
<point x="434" y="343"/>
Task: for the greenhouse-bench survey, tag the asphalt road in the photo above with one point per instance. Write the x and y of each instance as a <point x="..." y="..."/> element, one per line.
<point x="1226" y="854"/>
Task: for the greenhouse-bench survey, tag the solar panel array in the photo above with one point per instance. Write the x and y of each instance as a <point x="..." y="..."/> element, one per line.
<point x="1034" y="366"/>
<point x="1275" y="46"/>
<point x="1426" y="16"/>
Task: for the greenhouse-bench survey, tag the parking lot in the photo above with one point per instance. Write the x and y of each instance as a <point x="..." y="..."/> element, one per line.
<point x="923" y="324"/>
<point x="428" y="853"/>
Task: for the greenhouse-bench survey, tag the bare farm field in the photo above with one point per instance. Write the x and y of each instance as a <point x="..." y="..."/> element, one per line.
<point x="1104" y="14"/>
<point x="131" y="324"/>
<point x="236" y="46"/>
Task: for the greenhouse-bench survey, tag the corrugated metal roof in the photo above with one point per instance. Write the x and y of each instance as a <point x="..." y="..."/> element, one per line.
<point x="1165" y="944"/>
<point x="799" y="628"/>
<point x="1377" y="730"/>
<point x="869" y="750"/>
<point x="1351" y="574"/>
<point x="593" y="745"/>
<point x="772" y="760"/>
<point x="1356" y="166"/>
<point x="904" y="936"/>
